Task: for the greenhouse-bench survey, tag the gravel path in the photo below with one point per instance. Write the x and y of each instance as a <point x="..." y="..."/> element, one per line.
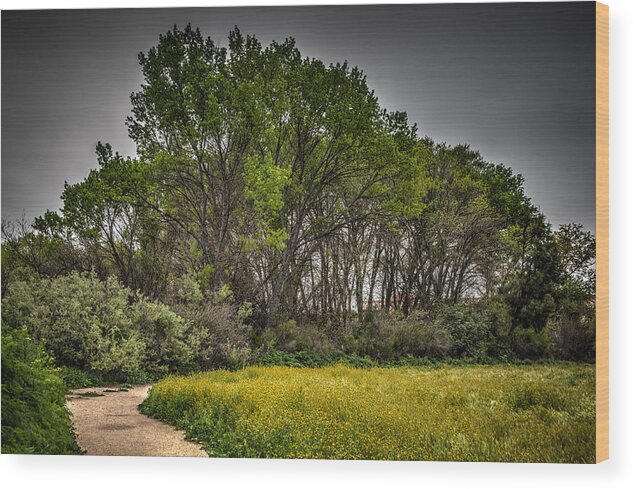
<point x="112" y="425"/>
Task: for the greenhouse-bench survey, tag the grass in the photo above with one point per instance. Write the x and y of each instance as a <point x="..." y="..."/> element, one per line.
<point x="542" y="413"/>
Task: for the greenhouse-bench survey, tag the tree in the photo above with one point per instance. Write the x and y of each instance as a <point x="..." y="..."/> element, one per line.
<point x="577" y="251"/>
<point x="532" y="290"/>
<point x="194" y="122"/>
<point x="576" y="316"/>
<point x="252" y="145"/>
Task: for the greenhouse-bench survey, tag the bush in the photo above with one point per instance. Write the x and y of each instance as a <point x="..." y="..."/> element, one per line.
<point x="164" y="334"/>
<point x="476" y="333"/>
<point x="184" y="289"/>
<point x="291" y="337"/>
<point x="294" y="359"/>
<point x="34" y="415"/>
<point x="574" y="337"/>
<point x="99" y="326"/>
<point x="390" y="338"/>
<point x="218" y="338"/>
<point x="74" y="378"/>
<point x="532" y="344"/>
<point x="82" y="321"/>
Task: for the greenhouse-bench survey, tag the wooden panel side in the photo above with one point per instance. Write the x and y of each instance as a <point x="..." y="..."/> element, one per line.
<point x="602" y="225"/>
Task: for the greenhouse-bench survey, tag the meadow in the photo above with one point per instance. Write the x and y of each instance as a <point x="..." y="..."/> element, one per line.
<point x="528" y="413"/>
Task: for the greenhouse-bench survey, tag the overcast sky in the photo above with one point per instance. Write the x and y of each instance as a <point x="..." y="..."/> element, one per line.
<point x="514" y="81"/>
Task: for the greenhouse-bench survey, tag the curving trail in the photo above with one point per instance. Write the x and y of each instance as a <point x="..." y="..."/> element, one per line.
<point x="112" y="425"/>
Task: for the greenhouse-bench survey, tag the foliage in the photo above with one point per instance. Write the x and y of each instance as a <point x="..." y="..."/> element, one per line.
<point x="75" y="378"/>
<point x="532" y="291"/>
<point x="310" y="359"/>
<point x="574" y="338"/>
<point x="185" y="289"/>
<point x="82" y="322"/>
<point x="96" y="327"/>
<point x="476" y="332"/>
<point x="272" y="191"/>
<point x="573" y="327"/>
<point x="531" y="343"/>
<point x="217" y="335"/>
<point x="164" y="334"/>
<point x="453" y="413"/>
<point x="289" y="336"/>
<point x="577" y="250"/>
<point x="34" y="415"/>
<point x="390" y="338"/>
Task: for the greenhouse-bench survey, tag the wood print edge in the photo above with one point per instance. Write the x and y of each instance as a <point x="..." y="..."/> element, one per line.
<point x="602" y="227"/>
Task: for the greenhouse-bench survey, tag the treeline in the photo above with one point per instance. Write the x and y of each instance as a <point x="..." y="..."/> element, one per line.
<point x="273" y="191"/>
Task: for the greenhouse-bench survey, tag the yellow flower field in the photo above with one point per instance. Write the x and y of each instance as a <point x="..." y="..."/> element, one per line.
<point x="542" y="413"/>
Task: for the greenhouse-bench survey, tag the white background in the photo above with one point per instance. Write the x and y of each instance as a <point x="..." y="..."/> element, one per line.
<point x="120" y="472"/>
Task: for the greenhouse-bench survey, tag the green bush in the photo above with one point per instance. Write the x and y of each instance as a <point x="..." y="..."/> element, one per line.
<point x="83" y="322"/>
<point x="389" y="338"/>
<point x="292" y="359"/>
<point x="289" y="336"/>
<point x="309" y="359"/>
<point x="76" y="379"/>
<point x="98" y="326"/>
<point x="34" y="416"/>
<point x="218" y="338"/>
<point x="165" y="336"/>
<point x="184" y="289"/>
<point x="531" y="344"/>
<point x="476" y="333"/>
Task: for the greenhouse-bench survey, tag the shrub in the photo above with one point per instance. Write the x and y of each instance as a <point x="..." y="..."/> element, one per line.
<point x="574" y="337"/>
<point x="164" y="334"/>
<point x="34" y="416"/>
<point x="477" y="333"/>
<point x="292" y="337"/>
<point x="82" y="321"/>
<point x="389" y="338"/>
<point x="184" y="289"/>
<point x="294" y="359"/>
<point x="309" y="359"/>
<point x="532" y="344"/>
<point x="216" y="335"/>
<point x="74" y="378"/>
<point x="99" y="327"/>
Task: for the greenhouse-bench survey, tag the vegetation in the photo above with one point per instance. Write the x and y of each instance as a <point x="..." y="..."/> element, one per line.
<point x="519" y="414"/>
<point x="275" y="214"/>
<point x="34" y="415"/>
<point x="84" y="323"/>
<point x="278" y="186"/>
<point x="102" y="330"/>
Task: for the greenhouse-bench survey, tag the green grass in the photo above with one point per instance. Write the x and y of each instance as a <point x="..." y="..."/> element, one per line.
<point x="539" y="413"/>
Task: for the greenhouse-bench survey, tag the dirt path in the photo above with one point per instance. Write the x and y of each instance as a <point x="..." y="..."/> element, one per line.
<point x="112" y="425"/>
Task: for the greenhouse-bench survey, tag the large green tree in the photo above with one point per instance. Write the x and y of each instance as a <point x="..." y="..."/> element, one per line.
<point x="259" y="154"/>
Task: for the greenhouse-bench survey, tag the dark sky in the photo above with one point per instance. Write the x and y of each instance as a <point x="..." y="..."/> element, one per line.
<point x="515" y="81"/>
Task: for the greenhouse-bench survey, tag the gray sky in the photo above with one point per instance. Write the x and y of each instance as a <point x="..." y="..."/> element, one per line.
<point x="514" y="81"/>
